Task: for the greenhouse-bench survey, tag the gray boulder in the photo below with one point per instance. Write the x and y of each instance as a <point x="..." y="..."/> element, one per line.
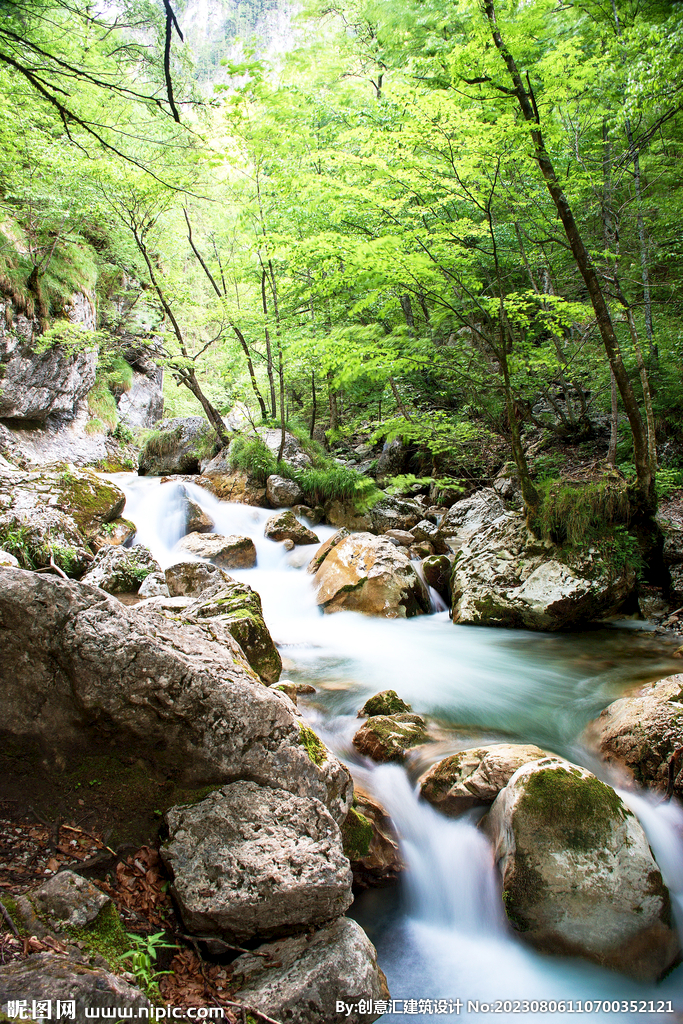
<point x="474" y="778"/>
<point x="6" y="559"/>
<point x="176" y="446"/>
<point x="233" y="552"/>
<point x="285" y="526"/>
<point x="301" y="980"/>
<point x="153" y="585"/>
<point x="579" y="878"/>
<point x="293" y="452"/>
<point x="390" y="737"/>
<point x="143" y="404"/>
<point x="45" y="976"/>
<point x="120" y="570"/>
<point x="395" y="514"/>
<point x="81" y="671"/>
<point x="283" y="493"/>
<point x="65" y="901"/>
<point x="190" y="579"/>
<point x="251" y="860"/>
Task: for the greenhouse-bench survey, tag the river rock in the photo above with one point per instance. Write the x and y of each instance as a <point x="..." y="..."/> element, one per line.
<point x="80" y="671"/>
<point x="429" y="533"/>
<point x="400" y="537"/>
<point x="474" y="778"/>
<point x="253" y="860"/>
<point x="176" y="446"/>
<point x="579" y="878"/>
<point x="437" y="574"/>
<point x="285" y="526"/>
<point x="6" y="559"/>
<point x="233" y="552"/>
<point x="344" y="515"/>
<point x="116" y="532"/>
<point x="190" y="579"/>
<point x="640" y="733"/>
<point x="154" y="585"/>
<point x="283" y="493"/>
<point x="390" y="737"/>
<point x="395" y="514"/>
<point x="325" y="548"/>
<point x="370" y="574"/>
<point x="370" y="843"/>
<point x="230" y="484"/>
<point x="504" y="576"/>
<point x="121" y="570"/>
<point x="196" y="519"/>
<point x="300" y="980"/>
<point x="45" y="976"/>
<point x="387" y="702"/>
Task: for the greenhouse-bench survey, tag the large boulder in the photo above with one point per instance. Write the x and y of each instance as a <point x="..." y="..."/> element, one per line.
<point x="283" y="493"/>
<point x="390" y="737"/>
<point x="120" y="570"/>
<point x="82" y="675"/>
<point x="232" y="552"/>
<point x="578" y="875"/>
<point x="230" y="484"/>
<point x="474" y="778"/>
<point x="142" y="405"/>
<point x="302" y="980"/>
<point x="370" y="574"/>
<point x="285" y="526"/>
<point x="641" y="733"/>
<point x="37" y="385"/>
<point x="253" y="860"/>
<point x="45" y="976"/>
<point x="176" y="446"/>
<point x="395" y="514"/>
<point x="343" y="514"/>
<point x="504" y="576"/>
<point x="293" y="451"/>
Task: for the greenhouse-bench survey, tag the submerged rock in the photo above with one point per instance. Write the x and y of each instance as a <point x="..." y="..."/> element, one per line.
<point x="370" y="574"/>
<point x="474" y="778"/>
<point x="390" y="737"/>
<point x="121" y="570"/>
<point x="285" y="526"/>
<point x="641" y="733"/>
<point x="233" y="552"/>
<point x="301" y="980"/>
<point x="253" y="860"/>
<point x="579" y="878"/>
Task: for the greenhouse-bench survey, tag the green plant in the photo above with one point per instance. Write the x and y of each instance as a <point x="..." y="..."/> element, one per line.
<point x="573" y="512"/>
<point x="141" y="958"/>
<point x="17" y="541"/>
<point x="668" y="481"/>
<point x="123" y="433"/>
<point x="252" y="455"/>
<point x="335" y="482"/>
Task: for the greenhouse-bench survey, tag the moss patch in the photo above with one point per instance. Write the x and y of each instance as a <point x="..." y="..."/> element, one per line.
<point x="387" y="702"/>
<point x="357" y="833"/>
<point x="582" y="811"/>
<point x="105" y="937"/>
<point x="314" y="747"/>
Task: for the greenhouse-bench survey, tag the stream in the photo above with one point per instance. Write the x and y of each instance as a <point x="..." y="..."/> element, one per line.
<point x="442" y="934"/>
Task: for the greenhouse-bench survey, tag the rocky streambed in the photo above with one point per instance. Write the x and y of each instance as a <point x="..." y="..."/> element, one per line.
<point x="235" y="677"/>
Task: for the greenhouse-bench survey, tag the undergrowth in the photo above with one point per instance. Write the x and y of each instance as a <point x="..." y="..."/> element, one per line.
<point x="573" y="513"/>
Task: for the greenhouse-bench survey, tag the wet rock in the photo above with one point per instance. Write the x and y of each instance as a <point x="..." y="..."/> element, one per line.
<point x="504" y="576"/>
<point x="65" y="901"/>
<point x="437" y="573"/>
<point x="390" y="737"/>
<point x="300" y="980"/>
<point x="578" y="875"/>
<point x="154" y="585"/>
<point x="230" y="484"/>
<point x="370" y="843"/>
<point x="233" y="552"/>
<point x="196" y="519"/>
<point x="325" y="548"/>
<point x="8" y="560"/>
<point x="640" y="733"/>
<point x="395" y="514"/>
<point x="252" y="860"/>
<point x="474" y="778"/>
<point x="176" y="446"/>
<point x="117" y="532"/>
<point x="402" y="537"/>
<point x="285" y="526"/>
<point x="88" y="671"/>
<point x="314" y="515"/>
<point x="428" y="532"/>
<point x="370" y="574"/>
<point x="121" y="570"/>
<point x="45" y="976"/>
<point x="283" y="493"/>
<point x="387" y="702"/>
<point x="421" y="549"/>
<point x="344" y="515"/>
<point x="190" y="579"/>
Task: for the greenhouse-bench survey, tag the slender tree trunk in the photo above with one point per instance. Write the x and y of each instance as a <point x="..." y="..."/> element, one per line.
<point x="399" y="401"/>
<point x="334" y="408"/>
<point x="269" y="354"/>
<point x="527" y="106"/>
<point x="613" y="423"/>
<point x="315" y="404"/>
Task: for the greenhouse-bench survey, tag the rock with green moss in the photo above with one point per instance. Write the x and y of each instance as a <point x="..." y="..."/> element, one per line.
<point x="231" y="552"/>
<point x="370" y="843"/>
<point x="390" y="737"/>
<point x="475" y="777"/>
<point x="641" y="733"/>
<point x="303" y="979"/>
<point x="578" y="874"/>
<point x="120" y="570"/>
<point x="45" y="976"/>
<point x="65" y="901"/>
<point x="285" y="526"/>
<point x="115" y="533"/>
<point x="177" y="446"/>
<point x="253" y="860"/>
<point x="437" y="573"/>
<point x="387" y="702"/>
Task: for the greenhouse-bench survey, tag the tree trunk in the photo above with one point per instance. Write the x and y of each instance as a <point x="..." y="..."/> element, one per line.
<point x="269" y="354"/>
<point x="613" y="423"/>
<point x="334" y="408"/>
<point x="315" y="404"/>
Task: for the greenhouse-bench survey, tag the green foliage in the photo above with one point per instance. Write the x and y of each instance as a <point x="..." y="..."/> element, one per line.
<point x="573" y="513"/>
<point x="105" y="937"/>
<point x="141" y="957"/>
<point x="314" y="747"/>
<point x="252" y="454"/>
<point x="668" y="481"/>
<point x="102" y="404"/>
<point x="17" y="541"/>
<point x="337" y="482"/>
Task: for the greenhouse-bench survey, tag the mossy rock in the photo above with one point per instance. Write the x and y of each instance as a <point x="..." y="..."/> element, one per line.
<point x="390" y="737"/>
<point x="315" y="748"/>
<point x="357" y="833"/>
<point x="387" y="702"/>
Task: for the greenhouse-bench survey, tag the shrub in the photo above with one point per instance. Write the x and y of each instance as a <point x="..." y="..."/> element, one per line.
<point x="253" y="456"/>
<point x="573" y="513"/>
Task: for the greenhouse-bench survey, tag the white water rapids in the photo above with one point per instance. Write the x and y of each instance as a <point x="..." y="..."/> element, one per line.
<point x="444" y="935"/>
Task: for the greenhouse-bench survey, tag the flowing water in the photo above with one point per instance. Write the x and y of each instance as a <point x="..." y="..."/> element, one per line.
<point x="444" y="935"/>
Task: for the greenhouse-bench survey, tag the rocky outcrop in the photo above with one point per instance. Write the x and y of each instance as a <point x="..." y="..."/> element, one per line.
<point x="504" y="576"/>
<point x="474" y="778"/>
<point x="232" y="552"/>
<point x="252" y="860"/>
<point x="370" y="843"/>
<point x="392" y="461"/>
<point x="231" y="484"/>
<point x="578" y="875"/>
<point x="285" y="526"/>
<point x="390" y="737"/>
<point x="121" y="570"/>
<point x="80" y="672"/>
<point x="345" y="516"/>
<point x="370" y="574"/>
<point x="142" y="405"/>
<point x="301" y="980"/>
<point x="176" y="446"/>
<point x="190" y="579"/>
<point x="642" y="732"/>
<point x="283" y="493"/>
<point x="45" y="976"/>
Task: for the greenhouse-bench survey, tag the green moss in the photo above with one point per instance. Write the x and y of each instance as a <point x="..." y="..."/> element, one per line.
<point x="357" y="833"/>
<point x="315" y="748"/>
<point x="387" y="702"/>
<point x="105" y="937"/>
<point x="581" y="810"/>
